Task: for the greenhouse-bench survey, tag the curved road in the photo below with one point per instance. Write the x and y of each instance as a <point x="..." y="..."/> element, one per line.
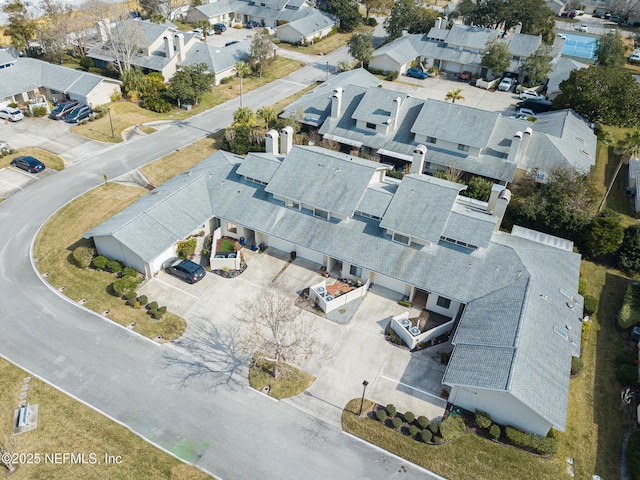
<point x="220" y="426"/>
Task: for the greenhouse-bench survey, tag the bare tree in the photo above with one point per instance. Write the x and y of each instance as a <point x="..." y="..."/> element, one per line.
<point x="168" y="9"/>
<point x="55" y="27"/>
<point x="7" y="449"/>
<point x="623" y="8"/>
<point x="275" y="329"/>
<point x="453" y="174"/>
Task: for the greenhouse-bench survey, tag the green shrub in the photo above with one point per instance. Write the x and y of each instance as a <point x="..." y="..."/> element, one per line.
<point x="381" y="415"/>
<point x="372" y="22"/>
<point x="434" y="426"/>
<point x="393" y="336"/>
<point x="226" y="80"/>
<point x="153" y="306"/>
<point x="590" y="305"/>
<point x="426" y="435"/>
<point x="627" y="375"/>
<point x="124" y="285"/>
<point x="39" y="111"/>
<point x="626" y="356"/>
<point x="483" y="420"/>
<point x="413" y="430"/>
<point x="86" y="63"/>
<point x="495" y="431"/>
<point x="532" y="443"/>
<point x="156" y="103"/>
<point x="396" y="422"/>
<point x="114" y="266"/>
<point x="153" y="312"/>
<point x="629" y="315"/>
<point x="404" y="303"/>
<point x="162" y="310"/>
<point x="423" y="421"/>
<point x="437" y="440"/>
<point x="576" y="365"/>
<point x="452" y="427"/>
<point x="633" y="455"/>
<point x="100" y="262"/>
<point x="409" y="417"/>
<point x="392" y="76"/>
<point x="130" y="296"/>
<point x="129" y="272"/>
<point x="143" y="299"/>
<point x="83" y="256"/>
<point x="391" y="410"/>
<point x="187" y="248"/>
<point x="157" y="314"/>
<point x="582" y="287"/>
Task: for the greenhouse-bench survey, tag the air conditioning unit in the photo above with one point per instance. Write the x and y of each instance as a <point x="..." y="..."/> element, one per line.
<point x="405" y="322"/>
<point x="415" y="331"/>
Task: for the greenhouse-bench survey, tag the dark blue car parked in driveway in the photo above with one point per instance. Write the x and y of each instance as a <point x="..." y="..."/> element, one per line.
<point x="416" y="73"/>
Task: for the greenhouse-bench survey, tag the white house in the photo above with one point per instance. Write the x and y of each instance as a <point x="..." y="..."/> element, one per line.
<point x="308" y="29"/>
<point x="512" y="299"/>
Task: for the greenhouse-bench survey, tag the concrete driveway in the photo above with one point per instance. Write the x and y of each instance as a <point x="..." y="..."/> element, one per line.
<point x="230" y="35"/>
<point x="13" y="180"/>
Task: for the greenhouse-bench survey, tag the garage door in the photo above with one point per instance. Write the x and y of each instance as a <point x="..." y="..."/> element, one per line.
<point x="280" y="244"/>
<point x="388" y="282"/>
<point x="310" y="255"/>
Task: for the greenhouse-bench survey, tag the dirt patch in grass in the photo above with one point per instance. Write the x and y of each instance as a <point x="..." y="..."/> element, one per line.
<point x="291" y="382"/>
<point x="51" y="160"/>
<point x="63" y="233"/>
<point x="65" y="425"/>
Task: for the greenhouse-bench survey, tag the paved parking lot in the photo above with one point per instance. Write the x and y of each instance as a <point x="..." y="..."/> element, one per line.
<point x="230" y="35"/>
<point x="350" y="353"/>
<point x="13" y="179"/>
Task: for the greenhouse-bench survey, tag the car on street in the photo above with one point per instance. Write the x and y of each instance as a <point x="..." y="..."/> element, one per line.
<point x="187" y="270"/>
<point x="635" y="57"/>
<point x="63" y="109"/>
<point x="416" y="73"/>
<point x="536" y="106"/>
<point x="11" y="114"/>
<point x="526" y="113"/>
<point x="506" y="84"/>
<point x="251" y="24"/>
<point x="531" y="94"/>
<point x="28" y="163"/>
<point x="4" y="146"/>
<point x="79" y="113"/>
<point x="218" y="28"/>
<point x="583" y="28"/>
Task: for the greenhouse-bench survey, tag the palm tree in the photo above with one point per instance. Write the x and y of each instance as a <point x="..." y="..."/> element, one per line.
<point x="454" y="95"/>
<point x="243" y="70"/>
<point x="267" y="114"/>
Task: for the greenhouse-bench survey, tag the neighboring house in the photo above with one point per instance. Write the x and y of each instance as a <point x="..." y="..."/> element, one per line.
<point x="163" y="48"/>
<point x="387" y="125"/>
<point x="562" y="68"/>
<point x="29" y="80"/>
<point x="511" y="299"/>
<point x="268" y="13"/>
<point x="556" y="6"/>
<point x="454" y="50"/>
<point x="633" y="189"/>
<point x="308" y="29"/>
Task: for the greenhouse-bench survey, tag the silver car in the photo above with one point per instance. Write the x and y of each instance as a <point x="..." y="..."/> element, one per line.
<point x="11" y="114"/>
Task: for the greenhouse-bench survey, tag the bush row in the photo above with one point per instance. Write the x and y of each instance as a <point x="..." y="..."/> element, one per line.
<point x="143" y="301"/>
<point x="417" y="427"/>
<point x="540" y="445"/>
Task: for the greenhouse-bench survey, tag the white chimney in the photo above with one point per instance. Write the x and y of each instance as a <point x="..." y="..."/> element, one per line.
<point x="493" y="198"/>
<point x="336" y="102"/>
<point x="101" y="28"/>
<point x="271" y="142"/>
<point x="518" y="28"/>
<point x="417" y="164"/>
<point x="180" y="44"/>
<point x="526" y="138"/>
<point x="168" y="47"/>
<point x="515" y="146"/>
<point x="501" y="206"/>
<point x="286" y="140"/>
<point x="396" y="112"/>
<point x="439" y="23"/>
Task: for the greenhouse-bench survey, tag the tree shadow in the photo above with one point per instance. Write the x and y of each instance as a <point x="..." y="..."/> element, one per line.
<point x="213" y="354"/>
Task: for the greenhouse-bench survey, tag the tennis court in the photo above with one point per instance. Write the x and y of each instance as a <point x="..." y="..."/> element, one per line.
<point x="581" y="46"/>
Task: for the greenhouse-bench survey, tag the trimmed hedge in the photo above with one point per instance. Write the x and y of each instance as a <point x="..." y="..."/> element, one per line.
<point x="396" y="422"/>
<point x="590" y="305"/>
<point x="423" y="421"/>
<point x="495" y="431"/>
<point x="83" y="256"/>
<point x="143" y="300"/>
<point x="483" y="419"/>
<point x="576" y="365"/>
<point x="100" y="262"/>
<point x="381" y="415"/>
<point x="426" y="435"/>
<point x="633" y="455"/>
<point x="124" y="285"/>
<point x="413" y="430"/>
<point x="533" y="443"/>
<point x="409" y="417"/>
<point x="452" y="427"/>
<point x="434" y="426"/>
<point x="131" y="296"/>
<point x="391" y="410"/>
<point x="153" y="306"/>
<point x="629" y="315"/>
<point x="114" y="266"/>
<point x="129" y="272"/>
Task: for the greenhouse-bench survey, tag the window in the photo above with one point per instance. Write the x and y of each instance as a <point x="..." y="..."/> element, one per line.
<point x="397" y="237"/>
<point x="371" y="126"/>
<point x="232" y="227"/>
<point x="443" y="302"/>
<point x="321" y="213"/>
<point x="463" y="148"/>
<point x="431" y="139"/>
<point x="355" y="271"/>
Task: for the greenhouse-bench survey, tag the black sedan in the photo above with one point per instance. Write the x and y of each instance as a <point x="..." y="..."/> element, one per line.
<point x="30" y="164"/>
<point x="187" y="270"/>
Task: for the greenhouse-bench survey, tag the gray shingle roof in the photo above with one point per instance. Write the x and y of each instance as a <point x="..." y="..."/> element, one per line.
<point x="328" y="180"/>
<point x="470" y="225"/>
<point x="421" y="206"/>
<point x="562" y="68"/>
<point x="400" y="50"/>
<point x="214" y="9"/>
<point x="260" y="166"/>
<point x="523" y="45"/>
<point x="377" y="106"/>
<point x="470" y="36"/>
<point x="314" y="21"/>
<point x="376" y="199"/>
<point x="479" y="366"/>
<point x="218" y="59"/>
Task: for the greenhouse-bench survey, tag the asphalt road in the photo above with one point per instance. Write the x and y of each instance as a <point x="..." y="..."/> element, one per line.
<point x="213" y="419"/>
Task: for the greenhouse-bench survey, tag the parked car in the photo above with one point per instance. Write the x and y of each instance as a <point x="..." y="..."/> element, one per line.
<point x="536" y="106"/>
<point x="4" y="146"/>
<point x="465" y="76"/>
<point x="614" y="19"/>
<point x="79" y="113"/>
<point x="30" y="164"/>
<point x="583" y="28"/>
<point x="187" y="270"/>
<point x="506" y="84"/>
<point x="416" y="73"/>
<point x="11" y="114"/>
<point x="252" y="24"/>
<point x="63" y="109"/>
<point x="635" y="57"/>
<point x="531" y="94"/>
<point x="218" y="28"/>
<point x="525" y="113"/>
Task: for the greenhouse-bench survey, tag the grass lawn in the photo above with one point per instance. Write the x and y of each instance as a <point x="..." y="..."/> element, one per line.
<point x="291" y="381"/>
<point x="65" y="425"/>
<point x="227" y="246"/>
<point x="63" y="233"/>
<point x="125" y="114"/>
<point x="50" y="160"/>
<point x="324" y="46"/>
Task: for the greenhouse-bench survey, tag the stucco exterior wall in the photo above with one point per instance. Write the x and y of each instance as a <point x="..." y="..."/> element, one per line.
<point x="114" y="250"/>
<point x="384" y="62"/>
<point x="434" y="307"/>
<point x="102" y="93"/>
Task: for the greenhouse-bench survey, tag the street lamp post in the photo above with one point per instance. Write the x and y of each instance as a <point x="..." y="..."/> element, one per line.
<point x="327" y="75"/>
<point x="113" y="135"/>
<point x="364" y="389"/>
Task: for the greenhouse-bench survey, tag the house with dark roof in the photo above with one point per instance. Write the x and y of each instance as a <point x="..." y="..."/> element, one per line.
<point x="163" y="48"/>
<point x="387" y="125"/>
<point x="25" y="80"/>
<point x="510" y="300"/>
